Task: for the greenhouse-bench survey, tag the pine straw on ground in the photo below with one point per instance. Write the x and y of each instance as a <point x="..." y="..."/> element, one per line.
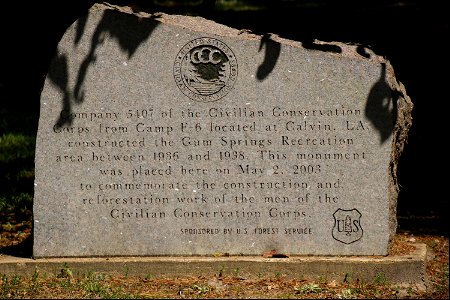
<point x="14" y="233"/>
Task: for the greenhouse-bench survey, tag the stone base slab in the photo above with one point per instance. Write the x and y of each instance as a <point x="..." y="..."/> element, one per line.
<point x="409" y="269"/>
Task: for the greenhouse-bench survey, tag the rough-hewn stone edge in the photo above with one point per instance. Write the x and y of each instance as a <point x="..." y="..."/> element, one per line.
<point x="408" y="269"/>
<point x="404" y="108"/>
<point x="200" y="24"/>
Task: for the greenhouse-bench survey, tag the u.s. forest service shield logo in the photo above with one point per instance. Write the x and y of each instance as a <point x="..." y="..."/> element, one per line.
<point x="347" y="225"/>
<point x="205" y="69"/>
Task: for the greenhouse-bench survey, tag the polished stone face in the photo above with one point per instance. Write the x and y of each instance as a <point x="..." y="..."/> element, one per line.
<point x="174" y="135"/>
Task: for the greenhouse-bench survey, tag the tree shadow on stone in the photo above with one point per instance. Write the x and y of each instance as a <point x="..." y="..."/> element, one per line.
<point x="381" y="107"/>
<point x="312" y="45"/>
<point x="272" y="52"/>
<point x="129" y="31"/>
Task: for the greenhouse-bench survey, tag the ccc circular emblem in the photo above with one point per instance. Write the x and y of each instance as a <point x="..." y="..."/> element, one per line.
<point x="205" y="69"/>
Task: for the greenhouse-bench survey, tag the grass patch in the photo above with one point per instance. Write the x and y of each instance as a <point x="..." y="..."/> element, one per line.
<point x="16" y="172"/>
<point x="15" y="146"/>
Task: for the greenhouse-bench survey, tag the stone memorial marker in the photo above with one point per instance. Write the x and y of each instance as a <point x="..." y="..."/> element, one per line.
<point x="174" y="135"/>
